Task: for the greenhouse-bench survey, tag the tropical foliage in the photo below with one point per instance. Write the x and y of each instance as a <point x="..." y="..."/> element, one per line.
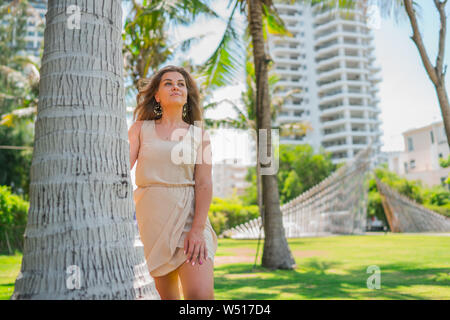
<point x="147" y="43"/>
<point x="13" y="220"/>
<point x="230" y="212"/>
<point x="19" y="89"/>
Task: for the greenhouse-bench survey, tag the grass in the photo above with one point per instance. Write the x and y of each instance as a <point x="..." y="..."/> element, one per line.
<point x="412" y="267"/>
<point x="9" y="269"/>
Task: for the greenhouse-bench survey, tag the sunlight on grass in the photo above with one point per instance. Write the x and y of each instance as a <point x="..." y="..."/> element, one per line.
<point x="9" y="269"/>
<point x="412" y="267"/>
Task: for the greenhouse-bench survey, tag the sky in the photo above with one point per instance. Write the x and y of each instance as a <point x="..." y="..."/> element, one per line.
<point x="407" y="96"/>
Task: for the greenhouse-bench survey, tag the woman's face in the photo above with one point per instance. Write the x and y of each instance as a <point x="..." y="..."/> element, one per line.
<point x="172" y="89"/>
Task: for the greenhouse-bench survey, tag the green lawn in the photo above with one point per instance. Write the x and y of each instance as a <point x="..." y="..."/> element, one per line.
<point x="9" y="269"/>
<point x="412" y="267"/>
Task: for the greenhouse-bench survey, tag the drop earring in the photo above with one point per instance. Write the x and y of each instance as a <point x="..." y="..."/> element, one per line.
<point x="158" y="110"/>
<point x="185" y="111"/>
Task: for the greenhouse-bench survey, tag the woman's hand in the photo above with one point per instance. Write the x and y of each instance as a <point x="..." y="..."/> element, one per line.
<point x="195" y="246"/>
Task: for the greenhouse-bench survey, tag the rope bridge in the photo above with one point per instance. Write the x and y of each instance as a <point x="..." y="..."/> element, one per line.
<point x="406" y="215"/>
<point x="337" y="205"/>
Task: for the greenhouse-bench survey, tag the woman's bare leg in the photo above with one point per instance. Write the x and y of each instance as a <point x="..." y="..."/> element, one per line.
<point x="197" y="281"/>
<point x="167" y="286"/>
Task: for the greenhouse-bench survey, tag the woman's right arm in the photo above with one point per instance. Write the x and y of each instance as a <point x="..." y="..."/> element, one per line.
<point x="133" y="137"/>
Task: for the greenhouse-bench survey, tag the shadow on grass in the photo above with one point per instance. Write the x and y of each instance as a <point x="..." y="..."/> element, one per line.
<point x="318" y="279"/>
<point x="7" y="284"/>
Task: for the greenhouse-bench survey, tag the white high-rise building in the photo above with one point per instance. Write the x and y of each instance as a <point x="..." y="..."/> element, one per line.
<point x="35" y="27"/>
<point x="330" y="60"/>
<point x="34" y="30"/>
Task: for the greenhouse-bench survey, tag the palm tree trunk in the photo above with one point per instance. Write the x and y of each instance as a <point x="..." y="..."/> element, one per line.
<point x="80" y="236"/>
<point x="276" y="253"/>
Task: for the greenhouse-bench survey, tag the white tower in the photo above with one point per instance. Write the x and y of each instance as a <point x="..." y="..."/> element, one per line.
<point x="330" y="59"/>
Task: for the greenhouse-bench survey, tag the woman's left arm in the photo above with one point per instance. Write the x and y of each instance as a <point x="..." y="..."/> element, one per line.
<point x="195" y="244"/>
<point x="203" y="182"/>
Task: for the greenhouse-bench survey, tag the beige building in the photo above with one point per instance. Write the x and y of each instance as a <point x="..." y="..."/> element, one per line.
<point x="420" y="159"/>
<point x="229" y="176"/>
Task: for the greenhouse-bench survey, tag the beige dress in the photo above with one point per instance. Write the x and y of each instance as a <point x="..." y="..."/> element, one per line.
<point x="164" y="198"/>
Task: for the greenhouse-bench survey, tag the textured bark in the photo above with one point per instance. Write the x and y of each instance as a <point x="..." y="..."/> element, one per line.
<point x="441" y="92"/>
<point x="276" y="252"/>
<point x="81" y="218"/>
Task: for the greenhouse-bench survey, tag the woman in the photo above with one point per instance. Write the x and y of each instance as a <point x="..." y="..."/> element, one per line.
<point x="173" y="175"/>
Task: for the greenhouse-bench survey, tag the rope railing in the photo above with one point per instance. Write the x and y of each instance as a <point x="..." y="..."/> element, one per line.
<point x="406" y="215"/>
<point x="337" y="205"/>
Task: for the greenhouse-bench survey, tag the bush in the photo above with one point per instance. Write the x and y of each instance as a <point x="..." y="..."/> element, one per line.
<point x="230" y="212"/>
<point x="13" y="220"/>
<point x="218" y="221"/>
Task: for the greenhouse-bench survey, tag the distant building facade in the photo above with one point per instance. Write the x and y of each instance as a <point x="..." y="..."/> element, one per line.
<point x="420" y="160"/>
<point x="229" y="176"/>
<point x="35" y="30"/>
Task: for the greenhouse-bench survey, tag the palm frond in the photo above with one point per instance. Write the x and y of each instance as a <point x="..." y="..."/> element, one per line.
<point x="224" y="65"/>
<point x="395" y="9"/>
<point x="178" y="12"/>
<point x="186" y="44"/>
<point x="275" y="25"/>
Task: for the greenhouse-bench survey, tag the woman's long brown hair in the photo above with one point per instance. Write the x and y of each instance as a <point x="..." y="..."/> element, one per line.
<point x="146" y="102"/>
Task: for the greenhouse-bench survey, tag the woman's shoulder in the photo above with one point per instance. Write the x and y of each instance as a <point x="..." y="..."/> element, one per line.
<point x="136" y="126"/>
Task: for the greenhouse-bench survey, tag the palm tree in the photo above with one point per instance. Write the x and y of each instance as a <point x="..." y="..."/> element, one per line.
<point x="246" y="119"/>
<point x="80" y="239"/>
<point x="147" y="43"/>
<point x="276" y="253"/>
<point x="222" y="68"/>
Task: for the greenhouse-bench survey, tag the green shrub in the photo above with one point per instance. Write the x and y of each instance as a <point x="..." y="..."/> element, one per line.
<point x="444" y="210"/>
<point x="13" y="220"/>
<point x="218" y="221"/>
<point x="230" y="212"/>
